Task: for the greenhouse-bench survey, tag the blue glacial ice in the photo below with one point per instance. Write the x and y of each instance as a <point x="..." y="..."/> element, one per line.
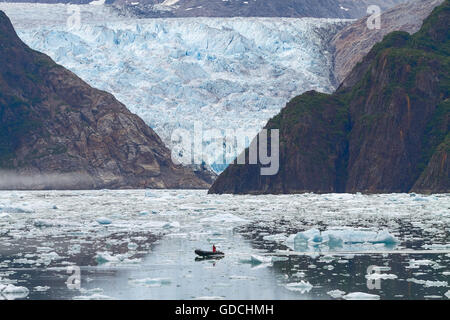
<point x="233" y="73"/>
<point x="343" y="237"/>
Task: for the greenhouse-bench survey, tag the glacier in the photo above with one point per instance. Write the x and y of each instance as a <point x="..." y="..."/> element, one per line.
<point x="227" y="73"/>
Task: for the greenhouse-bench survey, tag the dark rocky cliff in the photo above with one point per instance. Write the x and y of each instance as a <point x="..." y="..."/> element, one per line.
<point x="57" y="132"/>
<point x="386" y="129"/>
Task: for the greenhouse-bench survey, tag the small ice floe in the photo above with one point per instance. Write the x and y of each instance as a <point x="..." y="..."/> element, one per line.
<point x="279" y="259"/>
<point x="437" y="246"/>
<point x="338" y="237"/>
<point x="336" y="293"/>
<point x="224" y="218"/>
<point x="4" y="215"/>
<point x="281" y="237"/>
<point x="302" y="286"/>
<point x="151" y="282"/>
<point x="299" y="274"/>
<point x="415" y="264"/>
<point x="39" y="223"/>
<point x="236" y="277"/>
<point x="12" y="292"/>
<point x="103" y="221"/>
<point x="91" y="291"/>
<point x="255" y="259"/>
<point x="48" y="257"/>
<point x="361" y="296"/>
<point x="380" y="276"/>
<point x="210" y="298"/>
<point x="132" y="246"/>
<point x="428" y="283"/>
<point x="172" y="225"/>
<point x="41" y="288"/>
<point x="14" y="210"/>
<point x="107" y="258"/>
<point x="94" y="296"/>
<point x="143" y="213"/>
<point x="447" y="294"/>
<point x="150" y="194"/>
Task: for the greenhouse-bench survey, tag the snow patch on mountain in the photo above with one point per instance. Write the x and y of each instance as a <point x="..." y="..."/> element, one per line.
<point x="227" y="73"/>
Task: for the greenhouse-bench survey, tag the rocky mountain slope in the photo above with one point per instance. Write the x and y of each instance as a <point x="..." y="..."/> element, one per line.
<point x="386" y="129"/>
<point x="237" y="8"/>
<point x="352" y="43"/>
<point x="253" y="8"/>
<point x="58" y="132"/>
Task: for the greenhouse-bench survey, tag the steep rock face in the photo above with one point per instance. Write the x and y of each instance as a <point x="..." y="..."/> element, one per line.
<point x="58" y="132"/>
<point x="353" y="42"/>
<point x="386" y="129"/>
<point x="252" y="8"/>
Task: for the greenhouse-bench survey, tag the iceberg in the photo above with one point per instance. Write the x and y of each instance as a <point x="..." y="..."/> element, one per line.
<point x="338" y="237"/>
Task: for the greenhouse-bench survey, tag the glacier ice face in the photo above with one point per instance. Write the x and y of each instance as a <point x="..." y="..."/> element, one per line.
<point x="232" y="73"/>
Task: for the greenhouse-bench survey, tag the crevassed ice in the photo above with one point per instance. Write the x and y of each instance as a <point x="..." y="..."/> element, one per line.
<point x="233" y="73"/>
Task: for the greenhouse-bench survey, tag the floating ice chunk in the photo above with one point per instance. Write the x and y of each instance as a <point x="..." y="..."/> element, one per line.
<point x="302" y="286"/>
<point x="41" y="288"/>
<point x="14" y="210"/>
<point x="39" y="223"/>
<point x="338" y="237"/>
<point x="12" y="292"/>
<point x="151" y="282"/>
<point x="4" y="215"/>
<point x="94" y="296"/>
<point x="420" y="199"/>
<point x="237" y="277"/>
<point x="254" y="259"/>
<point x="104" y="221"/>
<point x="224" y="218"/>
<point x="336" y="293"/>
<point x="143" y="213"/>
<point x="414" y="264"/>
<point x="170" y="225"/>
<point x="275" y="237"/>
<point x="132" y="245"/>
<point x="428" y="283"/>
<point x="361" y="296"/>
<point x="278" y="259"/>
<point x="106" y="257"/>
<point x="91" y="291"/>
<point x="150" y="194"/>
<point x="381" y="276"/>
<point x="447" y="294"/>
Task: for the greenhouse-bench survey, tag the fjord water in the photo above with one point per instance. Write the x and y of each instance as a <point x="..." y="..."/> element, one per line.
<point x="140" y="245"/>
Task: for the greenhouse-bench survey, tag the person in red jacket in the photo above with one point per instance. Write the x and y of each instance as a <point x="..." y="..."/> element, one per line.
<point x="214" y="249"/>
